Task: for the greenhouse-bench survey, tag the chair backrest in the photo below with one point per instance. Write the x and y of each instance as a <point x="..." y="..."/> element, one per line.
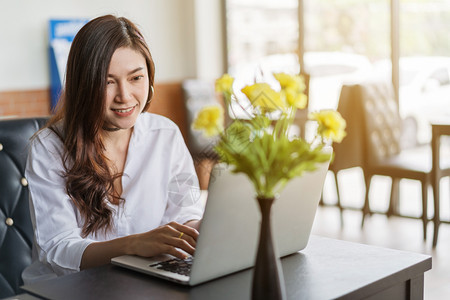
<point x="350" y="152"/>
<point x="374" y="125"/>
<point x="16" y="232"/>
<point x="383" y="123"/>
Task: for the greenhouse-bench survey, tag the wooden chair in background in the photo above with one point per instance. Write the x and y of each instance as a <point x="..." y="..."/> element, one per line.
<point x="376" y="143"/>
<point x="441" y="168"/>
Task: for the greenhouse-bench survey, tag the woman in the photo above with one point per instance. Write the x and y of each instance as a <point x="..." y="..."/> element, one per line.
<point x="105" y="177"/>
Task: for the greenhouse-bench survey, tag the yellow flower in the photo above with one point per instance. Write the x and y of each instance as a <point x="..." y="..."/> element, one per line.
<point x="225" y="84"/>
<point x="292" y="87"/>
<point x="209" y="120"/>
<point x="263" y="96"/>
<point x="261" y="147"/>
<point x="294" y="82"/>
<point x="331" y="124"/>
<point x="295" y="99"/>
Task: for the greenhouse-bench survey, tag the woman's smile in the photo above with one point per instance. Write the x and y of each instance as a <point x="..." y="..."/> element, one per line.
<point x="124" y="112"/>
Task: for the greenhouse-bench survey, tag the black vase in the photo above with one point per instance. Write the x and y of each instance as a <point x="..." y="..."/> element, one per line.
<point x="268" y="280"/>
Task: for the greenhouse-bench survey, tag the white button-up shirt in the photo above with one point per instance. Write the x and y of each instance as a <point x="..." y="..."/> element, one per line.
<point x="159" y="186"/>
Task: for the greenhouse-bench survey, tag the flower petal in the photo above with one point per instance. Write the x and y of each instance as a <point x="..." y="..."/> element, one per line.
<point x="224" y="84"/>
<point x="331" y="124"/>
<point x="261" y="95"/>
<point x="209" y="120"/>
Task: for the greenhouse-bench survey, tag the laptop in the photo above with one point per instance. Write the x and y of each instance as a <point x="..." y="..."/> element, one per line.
<point x="229" y="231"/>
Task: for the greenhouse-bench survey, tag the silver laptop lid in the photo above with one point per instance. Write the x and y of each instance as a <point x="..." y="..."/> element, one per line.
<point x="230" y="228"/>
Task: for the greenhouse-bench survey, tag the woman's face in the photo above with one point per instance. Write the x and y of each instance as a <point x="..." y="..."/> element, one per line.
<point x="127" y="88"/>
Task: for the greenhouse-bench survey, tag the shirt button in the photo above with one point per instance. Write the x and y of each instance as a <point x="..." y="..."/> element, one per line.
<point x="1" y="147"/>
<point x="24" y="181"/>
<point x="9" y="222"/>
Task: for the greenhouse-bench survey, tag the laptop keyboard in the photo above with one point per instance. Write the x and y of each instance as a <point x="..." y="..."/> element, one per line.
<point x="176" y="265"/>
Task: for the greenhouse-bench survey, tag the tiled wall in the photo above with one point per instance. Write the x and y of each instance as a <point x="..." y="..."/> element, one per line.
<point x="168" y="101"/>
<point x="25" y="103"/>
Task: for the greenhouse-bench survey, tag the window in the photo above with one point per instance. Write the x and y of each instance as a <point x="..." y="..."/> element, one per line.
<point x="343" y="42"/>
<point x="346" y="40"/>
<point x="424" y="61"/>
<point x="262" y="37"/>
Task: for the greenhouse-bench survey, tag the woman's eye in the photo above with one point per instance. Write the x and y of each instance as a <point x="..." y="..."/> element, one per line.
<point x="138" y="77"/>
<point x="109" y="82"/>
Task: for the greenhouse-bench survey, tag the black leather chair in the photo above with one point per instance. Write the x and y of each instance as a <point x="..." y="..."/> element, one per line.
<point x="16" y="232"/>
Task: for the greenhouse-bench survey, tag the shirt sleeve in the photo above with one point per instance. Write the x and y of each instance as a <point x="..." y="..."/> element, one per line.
<point x="55" y="219"/>
<point x="183" y="191"/>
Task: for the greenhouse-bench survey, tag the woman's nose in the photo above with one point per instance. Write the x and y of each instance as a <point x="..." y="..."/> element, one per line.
<point x="123" y="93"/>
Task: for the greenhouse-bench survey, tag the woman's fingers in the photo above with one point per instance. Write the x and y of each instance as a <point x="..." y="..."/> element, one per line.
<point x="174" y="252"/>
<point x="186" y="230"/>
<point x="185" y="240"/>
<point x="174" y="239"/>
<point x="183" y="245"/>
<point x="175" y="235"/>
<point x="189" y="239"/>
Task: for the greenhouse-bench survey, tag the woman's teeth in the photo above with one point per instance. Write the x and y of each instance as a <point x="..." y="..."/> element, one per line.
<point x="124" y="110"/>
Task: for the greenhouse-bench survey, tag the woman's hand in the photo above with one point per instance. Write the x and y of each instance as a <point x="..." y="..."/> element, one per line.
<point x="173" y="238"/>
<point x="165" y="240"/>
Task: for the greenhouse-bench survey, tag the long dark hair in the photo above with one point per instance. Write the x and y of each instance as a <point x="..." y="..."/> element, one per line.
<point x="89" y="181"/>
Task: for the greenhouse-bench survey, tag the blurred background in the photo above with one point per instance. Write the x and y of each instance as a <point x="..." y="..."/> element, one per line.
<point x="338" y="41"/>
<point x="335" y="42"/>
<point x="184" y="37"/>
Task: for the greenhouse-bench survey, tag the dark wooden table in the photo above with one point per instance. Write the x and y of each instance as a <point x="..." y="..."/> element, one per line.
<point x="326" y="269"/>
